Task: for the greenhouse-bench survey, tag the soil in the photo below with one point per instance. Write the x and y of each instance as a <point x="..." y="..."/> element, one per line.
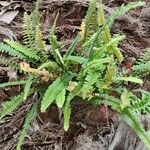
<point x="89" y="129"/>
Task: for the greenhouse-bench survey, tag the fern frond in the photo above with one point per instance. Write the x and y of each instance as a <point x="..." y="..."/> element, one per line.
<point x="53" y="41"/>
<point x="28" y="31"/>
<point x="72" y="47"/>
<point x="29" y="117"/>
<point x="133" y="120"/>
<point x="11" y="51"/>
<point x="142" y="69"/>
<point x="78" y="59"/>
<point x="141" y="105"/>
<point x="90" y="79"/>
<point x="9" y="63"/>
<point x="60" y="98"/>
<point x="143" y="64"/>
<point x="40" y="45"/>
<point x="91" y="24"/>
<point x="109" y="75"/>
<point x="129" y="79"/>
<point x="27" y="87"/>
<point x="35" y="15"/>
<point x="144" y="57"/>
<point x="67" y="106"/>
<point x="28" y="52"/>
<point x="12" y="83"/>
<point x="49" y="65"/>
<point x="11" y="105"/>
<point x="122" y="10"/>
<point x="54" y="89"/>
<point x="106" y="35"/>
<point x="97" y="64"/>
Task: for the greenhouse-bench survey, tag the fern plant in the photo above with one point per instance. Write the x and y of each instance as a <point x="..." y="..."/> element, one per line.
<point x="87" y="72"/>
<point x="142" y="67"/>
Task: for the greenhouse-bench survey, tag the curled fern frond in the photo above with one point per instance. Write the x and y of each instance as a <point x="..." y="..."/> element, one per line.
<point x="9" y="63"/>
<point x="28" y="52"/>
<point x="29" y="117"/>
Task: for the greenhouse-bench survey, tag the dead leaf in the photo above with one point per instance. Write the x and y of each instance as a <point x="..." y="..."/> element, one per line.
<point x="4" y="3"/>
<point x="8" y="16"/>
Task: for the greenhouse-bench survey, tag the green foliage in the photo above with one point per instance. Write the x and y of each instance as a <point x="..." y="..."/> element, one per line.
<point x="27" y="87"/>
<point x="122" y="10"/>
<point x="29" y="118"/>
<point x="9" y="63"/>
<point x="2" y="85"/>
<point x="141" y="104"/>
<point x="53" y="90"/>
<point x="27" y="52"/>
<point x="89" y="69"/>
<point x="12" y="52"/>
<point x="142" y="66"/>
<point x="11" y="105"/>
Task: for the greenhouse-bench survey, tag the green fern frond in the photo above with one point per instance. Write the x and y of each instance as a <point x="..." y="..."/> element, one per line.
<point x="28" y="31"/>
<point x="133" y="120"/>
<point x="67" y="106"/>
<point x="109" y="75"/>
<point x="141" y="105"/>
<point x="40" y="45"/>
<point x="106" y="35"/>
<point x="122" y="10"/>
<point x="72" y="47"/>
<point x="90" y="79"/>
<point x="78" y="59"/>
<point x="60" y="98"/>
<point x="9" y="63"/>
<point x="35" y="15"/>
<point x="11" y="51"/>
<point x="129" y="79"/>
<point x="27" y="87"/>
<point x="11" y="105"/>
<point x="53" y="41"/>
<point x="2" y="85"/>
<point x="29" y="117"/>
<point x="28" y="52"/>
<point x="91" y="24"/>
<point x="143" y="64"/>
<point x="53" y="90"/>
<point x="144" y="57"/>
<point x="97" y="64"/>
<point x="51" y="65"/>
<point x="142" y="69"/>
